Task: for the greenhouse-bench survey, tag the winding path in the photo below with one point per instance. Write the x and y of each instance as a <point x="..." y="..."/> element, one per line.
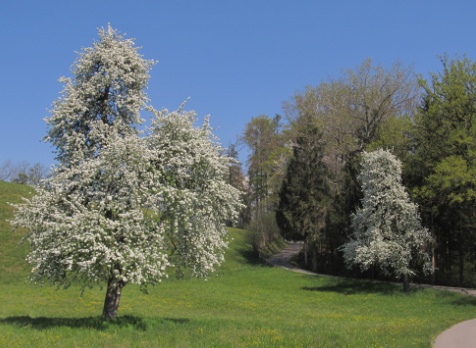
<point x="462" y="335"/>
<point x="282" y="258"/>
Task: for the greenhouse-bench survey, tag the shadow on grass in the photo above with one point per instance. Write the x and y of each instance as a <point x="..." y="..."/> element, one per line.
<point x="464" y="298"/>
<point x="465" y="301"/>
<point x="249" y="255"/>
<point x="252" y="258"/>
<point x="353" y="287"/>
<point x="96" y="323"/>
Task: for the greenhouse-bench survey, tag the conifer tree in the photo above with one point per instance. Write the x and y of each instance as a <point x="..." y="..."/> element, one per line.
<point x="304" y="195"/>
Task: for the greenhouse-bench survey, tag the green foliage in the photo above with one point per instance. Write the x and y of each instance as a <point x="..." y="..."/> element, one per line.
<point x="263" y="233"/>
<point x="395" y="135"/>
<point x="443" y="174"/>
<point x="454" y="180"/>
<point x="266" y="168"/>
<point x="304" y="195"/>
<point x="266" y="160"/>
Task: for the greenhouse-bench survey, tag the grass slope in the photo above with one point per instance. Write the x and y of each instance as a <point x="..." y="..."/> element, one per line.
<point x="244" y="305"/>
<point x="12" y="252"/>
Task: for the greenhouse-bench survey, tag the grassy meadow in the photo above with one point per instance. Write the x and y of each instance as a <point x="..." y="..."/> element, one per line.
<point x="245" y="304"/>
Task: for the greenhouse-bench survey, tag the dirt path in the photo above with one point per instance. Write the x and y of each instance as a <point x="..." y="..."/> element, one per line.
<point x="462" y="335"/>
<point x="282" y="258"/>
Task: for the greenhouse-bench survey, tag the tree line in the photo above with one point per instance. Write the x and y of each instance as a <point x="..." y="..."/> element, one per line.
<point x="23" y="172"/>
<point x="304" y="167"/>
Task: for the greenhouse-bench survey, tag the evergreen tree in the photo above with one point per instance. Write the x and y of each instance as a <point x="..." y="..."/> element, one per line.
<point x="303" y="197"/>
<point x="387" y="232"/>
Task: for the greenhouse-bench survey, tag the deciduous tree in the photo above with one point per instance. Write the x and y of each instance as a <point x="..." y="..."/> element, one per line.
<point x="104" y="96"/>
<point x="120" y="208"/>
<point x="444" y="162"/>
<point x="266" y="144"/>
<point x="387" y="232"/>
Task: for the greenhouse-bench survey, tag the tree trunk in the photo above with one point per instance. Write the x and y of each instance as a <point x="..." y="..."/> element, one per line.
<point x="305" y="253"/>
<point x="314" y="260"/>
<point x="433" y="257"/>
<point x="461" y="265"/>
<point x="461" y="255"/>
<point x="406" y="283"/>
<point x="433" y="262"/>
<point x="113" y="296"/>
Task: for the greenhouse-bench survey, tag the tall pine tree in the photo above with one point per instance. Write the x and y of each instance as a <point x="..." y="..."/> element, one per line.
<point x="303" y="197"/>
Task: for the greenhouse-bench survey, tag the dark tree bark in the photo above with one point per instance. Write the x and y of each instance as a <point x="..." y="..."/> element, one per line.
<point x="406" y="283"/>
<point x="113" y="296"/>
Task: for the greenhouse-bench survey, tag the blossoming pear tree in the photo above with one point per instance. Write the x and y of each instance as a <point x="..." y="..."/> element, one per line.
<point x="387" y="231"/>
<point x="122" y="208"/>
<point x="105" y="96"/>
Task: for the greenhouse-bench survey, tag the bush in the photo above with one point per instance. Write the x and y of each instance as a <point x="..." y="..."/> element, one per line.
<point x="262" y="232"/>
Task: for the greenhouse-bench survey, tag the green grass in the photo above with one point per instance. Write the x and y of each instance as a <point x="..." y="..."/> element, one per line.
<point x="12" y="266"/>
<point x="245" y="304"/>
<point x="273" y="248"/>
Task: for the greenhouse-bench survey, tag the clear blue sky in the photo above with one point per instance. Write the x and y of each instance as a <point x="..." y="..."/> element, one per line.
<point x="234" y="59"/>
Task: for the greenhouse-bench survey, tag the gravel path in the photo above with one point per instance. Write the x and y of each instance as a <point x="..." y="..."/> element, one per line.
<point x="462" y="335"/>
<point x="282" y="258"/>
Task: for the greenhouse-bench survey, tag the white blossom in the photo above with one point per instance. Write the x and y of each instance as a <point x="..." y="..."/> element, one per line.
<point x="140" y="206"/>
<point x="122" y="208"/>
<point x="105" y="96"/>
<point x="386" y="231"/>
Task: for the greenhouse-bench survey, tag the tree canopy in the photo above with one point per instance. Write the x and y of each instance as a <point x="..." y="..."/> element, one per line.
<point x="105" y="95"/>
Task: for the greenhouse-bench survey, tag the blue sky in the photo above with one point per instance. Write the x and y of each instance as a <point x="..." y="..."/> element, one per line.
<point x="234" y="59"/>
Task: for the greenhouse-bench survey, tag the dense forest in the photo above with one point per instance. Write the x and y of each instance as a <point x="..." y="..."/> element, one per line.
<point x="303" y="166"/>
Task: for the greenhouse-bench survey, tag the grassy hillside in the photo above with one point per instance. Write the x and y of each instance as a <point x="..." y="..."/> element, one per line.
<point x="245" y="304"/>
<point x="12" y="253"/>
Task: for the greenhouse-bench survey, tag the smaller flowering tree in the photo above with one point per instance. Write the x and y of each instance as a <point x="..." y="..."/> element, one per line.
<point x="140" y="206"/>
<point x="387" y="231"/>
